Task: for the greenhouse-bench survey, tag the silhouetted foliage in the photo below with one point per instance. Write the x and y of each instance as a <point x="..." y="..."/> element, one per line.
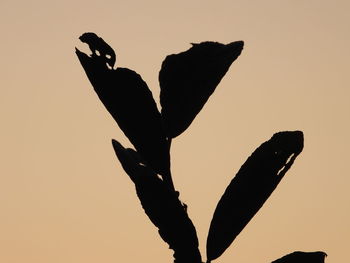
<point x="100" y="49"/>
<point x="189" y="78"/>
<point x="250" y="188"/>
<point x="162" y="206"/>
<point x="130" y="102"/>
<point x="303" y="257"/>
<point x="186" y="80"/>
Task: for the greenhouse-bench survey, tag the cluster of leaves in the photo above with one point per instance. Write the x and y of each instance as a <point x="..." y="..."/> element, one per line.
<point x="187" y="80"/>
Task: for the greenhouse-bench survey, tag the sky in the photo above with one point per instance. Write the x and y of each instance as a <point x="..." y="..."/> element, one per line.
<point x="64" y="197"/>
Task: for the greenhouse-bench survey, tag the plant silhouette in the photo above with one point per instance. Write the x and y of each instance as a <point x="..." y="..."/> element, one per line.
<point x="162" y="206"/>
<point x="189" y="78"/>
<point x="186" y="82"/>
<point x="299" y="256"/>
<point x="130" y="102"/>
<point x="250" y="188"/>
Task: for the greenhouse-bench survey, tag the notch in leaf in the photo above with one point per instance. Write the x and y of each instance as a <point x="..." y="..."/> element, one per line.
<point x="250" y="188"/>
<point x="128" y="99"/>
<point x="189" y="78"/>
<point x="162" y="206"/>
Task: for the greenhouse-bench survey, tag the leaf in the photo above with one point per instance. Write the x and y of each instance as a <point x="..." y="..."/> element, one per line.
<point x="303" y="257"/>
<point x="162" y="206"/>
<point x="128" y="99"/>
<point x="250" y="188"/>
<point x="189" y="78"/>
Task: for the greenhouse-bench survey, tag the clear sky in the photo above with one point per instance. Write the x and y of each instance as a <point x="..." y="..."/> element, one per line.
<point x="64" y="197"/>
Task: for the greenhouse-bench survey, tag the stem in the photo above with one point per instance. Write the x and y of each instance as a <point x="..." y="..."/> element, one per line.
<point x="167" y="177"/>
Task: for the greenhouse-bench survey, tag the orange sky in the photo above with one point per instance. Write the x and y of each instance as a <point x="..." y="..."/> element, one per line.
<point x="64" y="197"/>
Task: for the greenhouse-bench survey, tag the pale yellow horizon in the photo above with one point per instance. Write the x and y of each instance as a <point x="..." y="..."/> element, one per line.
<point x="64" y="197"/>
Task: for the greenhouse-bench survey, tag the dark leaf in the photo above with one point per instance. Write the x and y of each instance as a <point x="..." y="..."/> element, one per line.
<point x="162" y="206"/>
<point x="303" y="257"/>
<point x="189" y="78"/>
<point x="250" y="188"/>
<point x="130" y="102"/>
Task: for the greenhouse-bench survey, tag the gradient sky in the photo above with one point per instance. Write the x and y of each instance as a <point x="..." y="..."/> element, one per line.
<point x="64" y="197"/>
